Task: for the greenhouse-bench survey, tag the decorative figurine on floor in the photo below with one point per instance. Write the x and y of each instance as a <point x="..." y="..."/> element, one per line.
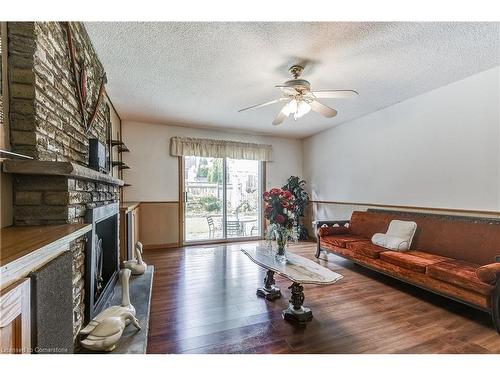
<point x="137" y="266"/>
<point x="125" y="309"/>
<point x="106" y="335"/>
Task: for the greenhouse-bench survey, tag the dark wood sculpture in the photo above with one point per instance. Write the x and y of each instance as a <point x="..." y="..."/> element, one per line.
<point x="80" y="79"/>
<point x="296" y="313"/>
<point x="83" y="84"/>
<point x="269" y="291"/>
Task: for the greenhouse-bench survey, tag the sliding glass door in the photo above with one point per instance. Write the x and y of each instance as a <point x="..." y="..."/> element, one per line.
<point x="203" y="198"/>
<point x="221" y="199"/>
<point x="243" y="192"/>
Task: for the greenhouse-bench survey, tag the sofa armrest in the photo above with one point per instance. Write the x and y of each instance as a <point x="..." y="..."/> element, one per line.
<point x="329" y="224"/>
<point x="489" y="273"/>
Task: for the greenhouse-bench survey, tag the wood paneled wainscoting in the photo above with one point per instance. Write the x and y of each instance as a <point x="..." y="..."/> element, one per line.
<point x="160" y="224"/>
<point x="204" y="301"/>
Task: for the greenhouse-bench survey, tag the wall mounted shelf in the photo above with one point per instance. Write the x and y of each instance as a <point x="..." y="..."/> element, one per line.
<point x="13" y="155"/>
<point x="121" y="165"/>
<point x="116" y="142"/>
<point x="58" y="168"/>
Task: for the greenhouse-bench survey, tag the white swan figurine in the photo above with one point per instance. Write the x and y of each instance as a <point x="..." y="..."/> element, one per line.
<point x="106" y="335"/>
<point x="114" y="311"/>
<point x="137" y="266"/>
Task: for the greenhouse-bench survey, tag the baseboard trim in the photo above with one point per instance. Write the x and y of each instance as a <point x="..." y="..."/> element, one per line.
<point x="158" y="202"/>
<point x="160" y="246"/>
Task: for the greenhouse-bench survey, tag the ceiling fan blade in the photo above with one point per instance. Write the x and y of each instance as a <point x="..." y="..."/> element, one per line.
<point x="287" y="90"/>
<point x="285" y="84"/>
<point x="280" y="117"/>
<point x="323" y="109"/>
<point x="331" y="94"/>
<point x="263" y="104"/>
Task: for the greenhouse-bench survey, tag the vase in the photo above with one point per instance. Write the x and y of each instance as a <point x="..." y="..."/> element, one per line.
<point x="281" y="235"/>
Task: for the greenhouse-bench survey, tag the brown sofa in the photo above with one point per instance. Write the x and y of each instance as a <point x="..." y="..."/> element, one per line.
<point x="454" y="256"/>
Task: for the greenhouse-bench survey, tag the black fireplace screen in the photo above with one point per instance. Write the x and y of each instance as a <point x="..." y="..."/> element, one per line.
<point x="102" y="258"/>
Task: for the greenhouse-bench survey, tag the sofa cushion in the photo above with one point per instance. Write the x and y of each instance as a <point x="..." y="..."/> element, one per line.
<point x="398" y="236"/>
<point x="411" y="260"/>
<point x="460" y="273"/>
<point x="390" y="242"/>
<point x="428" y="255"/>
<point x="341" y="240"/>
<point x="366" y="248"/>
<point x="337" y="250"/>
<point x="402" y="229"/>
<point x="489" y="273"/>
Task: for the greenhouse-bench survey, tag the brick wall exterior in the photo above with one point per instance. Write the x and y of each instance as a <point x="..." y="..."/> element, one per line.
<point x="45" y="117"/>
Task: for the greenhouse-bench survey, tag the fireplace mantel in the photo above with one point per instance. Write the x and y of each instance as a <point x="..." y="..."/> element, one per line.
<point x="58" y="168"/>
<point x="25" y="249"/>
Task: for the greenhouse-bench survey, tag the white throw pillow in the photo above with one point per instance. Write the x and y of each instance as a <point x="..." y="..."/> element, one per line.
<point x="398" y="237"/>
<point x="402" y="229"/>
<point x="390" y="242"/>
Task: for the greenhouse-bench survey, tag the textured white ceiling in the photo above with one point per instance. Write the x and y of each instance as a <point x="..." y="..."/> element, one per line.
<point x="200" y="74"/>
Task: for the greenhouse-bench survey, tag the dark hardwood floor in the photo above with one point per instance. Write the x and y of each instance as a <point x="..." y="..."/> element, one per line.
<point x="204" y="302"/>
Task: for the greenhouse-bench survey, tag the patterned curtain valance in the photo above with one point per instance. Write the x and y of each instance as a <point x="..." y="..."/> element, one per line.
<point x="214" y="148"/>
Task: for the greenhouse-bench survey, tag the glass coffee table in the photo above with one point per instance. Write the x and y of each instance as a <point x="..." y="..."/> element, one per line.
<point x="298" y="270"/>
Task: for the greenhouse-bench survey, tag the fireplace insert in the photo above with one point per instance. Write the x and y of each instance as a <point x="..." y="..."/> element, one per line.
<point x="102" y="260"/>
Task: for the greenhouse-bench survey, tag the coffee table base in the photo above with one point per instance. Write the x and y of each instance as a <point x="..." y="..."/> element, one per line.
<point x="269" y="291"/>
<point x="296" y="313"/>
<point x="302" y="316"/>
<point x="270" y="295"/>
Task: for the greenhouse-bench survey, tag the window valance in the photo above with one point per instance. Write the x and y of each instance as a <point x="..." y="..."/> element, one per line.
<point x="214" y="148"/>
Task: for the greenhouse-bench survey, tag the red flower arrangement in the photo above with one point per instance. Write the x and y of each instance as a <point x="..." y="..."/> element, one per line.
<point x="280" y="206"/>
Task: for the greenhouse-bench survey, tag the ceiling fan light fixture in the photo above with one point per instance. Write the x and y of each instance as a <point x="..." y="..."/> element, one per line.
<point x="301" y="100"/>
<point x="302" y="108"/>
<point x="297" y="107"/>
<point x="290" y="107"/>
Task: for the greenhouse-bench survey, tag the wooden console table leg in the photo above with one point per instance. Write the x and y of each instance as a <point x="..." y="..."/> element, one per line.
<point x="296" y="313"/>
<point x="269" y="291"/>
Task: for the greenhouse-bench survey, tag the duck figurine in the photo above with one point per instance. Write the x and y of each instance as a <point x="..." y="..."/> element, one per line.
<point x="114" y="311"/>
<point x="106" y="335"/>
<point x="137" y="266"/>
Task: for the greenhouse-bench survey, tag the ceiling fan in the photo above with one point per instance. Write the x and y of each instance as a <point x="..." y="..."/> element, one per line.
<point x="300" y="99"/>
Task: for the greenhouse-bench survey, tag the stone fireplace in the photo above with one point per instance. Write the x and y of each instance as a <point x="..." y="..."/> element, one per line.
<point x="48" y="193"/>
<point x="45" y="122"/>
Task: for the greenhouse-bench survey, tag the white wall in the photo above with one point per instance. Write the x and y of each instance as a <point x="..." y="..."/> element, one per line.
<point x="154" y="173"/>
<point x="439" y="149"/>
